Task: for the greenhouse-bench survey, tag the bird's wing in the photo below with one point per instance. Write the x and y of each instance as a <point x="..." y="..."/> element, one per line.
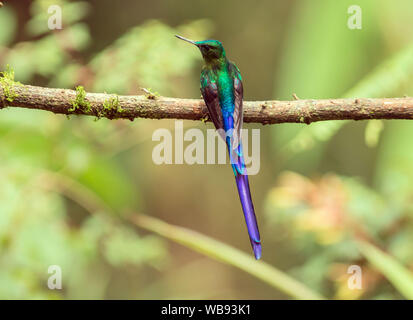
<point x="209" y="92"/>
<point x="238" y="114"/>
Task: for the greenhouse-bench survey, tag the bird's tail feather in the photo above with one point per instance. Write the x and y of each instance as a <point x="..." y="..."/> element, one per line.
<point x="241" y="178"/>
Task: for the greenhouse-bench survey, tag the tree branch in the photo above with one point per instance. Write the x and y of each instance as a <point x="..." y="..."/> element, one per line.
<point x="64" y="101"/>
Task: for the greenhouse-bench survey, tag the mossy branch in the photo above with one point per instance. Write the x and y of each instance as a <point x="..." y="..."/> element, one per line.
<point x="101" y="105"/>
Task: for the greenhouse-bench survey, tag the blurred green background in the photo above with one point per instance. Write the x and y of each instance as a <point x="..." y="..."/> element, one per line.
<point x="328" y="196"/>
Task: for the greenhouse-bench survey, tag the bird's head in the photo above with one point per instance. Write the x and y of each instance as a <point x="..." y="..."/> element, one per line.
<point x="212" y="50"/>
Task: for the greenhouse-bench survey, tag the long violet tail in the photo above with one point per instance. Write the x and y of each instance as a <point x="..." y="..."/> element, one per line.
<point x="241" y="178"/>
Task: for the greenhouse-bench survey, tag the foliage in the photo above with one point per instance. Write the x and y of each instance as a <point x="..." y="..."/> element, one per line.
<point x="41" y="222"/>
<point x="328" y="196"/>
<point x="325" y="217"/>
<point x="227" y="254"/>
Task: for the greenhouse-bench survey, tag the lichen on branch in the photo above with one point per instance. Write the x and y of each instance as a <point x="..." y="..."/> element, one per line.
<point x="7" y="84"/>
<point x="80" y="102"/>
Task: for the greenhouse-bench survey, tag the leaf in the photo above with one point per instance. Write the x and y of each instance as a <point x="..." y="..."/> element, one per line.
<point x="110" y="182"/>
<point x="124" y="247"/>
<point x="149" y="54"/>
<point x="71" y="13"/>
<point x="7" y="26"/>
<point x="394" y="171"/>
<point x="388" y="79"/>
<point x="372" y="133"/>
<point x="229" y="255"/>
<point x="400" y="277"/>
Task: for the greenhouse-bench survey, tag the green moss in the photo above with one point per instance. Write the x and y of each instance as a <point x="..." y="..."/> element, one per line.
<point x="112" y="104"/>
<point x="7" y="83"/>
<point x="80" y="102"/>
<point x="205" y="118"/>
<point x="111" y="108"/>
<point x="149" y="94"/>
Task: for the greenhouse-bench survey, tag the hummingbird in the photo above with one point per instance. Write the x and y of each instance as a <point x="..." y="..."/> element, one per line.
<point x="222" y="90"/>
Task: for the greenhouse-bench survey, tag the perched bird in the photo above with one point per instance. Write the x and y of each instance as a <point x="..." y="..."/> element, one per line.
<point x="221" y="88"/>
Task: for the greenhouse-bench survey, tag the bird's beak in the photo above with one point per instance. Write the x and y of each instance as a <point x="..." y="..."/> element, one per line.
<point x="185" y="39"/>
